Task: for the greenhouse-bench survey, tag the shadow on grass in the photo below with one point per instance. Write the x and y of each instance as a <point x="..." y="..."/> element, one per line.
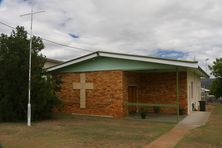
<point x="157" y="117"/>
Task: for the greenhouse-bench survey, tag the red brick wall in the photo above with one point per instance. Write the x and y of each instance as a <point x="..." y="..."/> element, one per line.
<point x="106" y="98"/>
<point x="110" y="96"/>
<point x="157" y="88"/>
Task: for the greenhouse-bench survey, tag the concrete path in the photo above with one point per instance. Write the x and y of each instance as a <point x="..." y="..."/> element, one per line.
<point x="171" y="138"/>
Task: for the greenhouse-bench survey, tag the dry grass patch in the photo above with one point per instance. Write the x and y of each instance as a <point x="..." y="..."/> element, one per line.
<point x="78" y="131"/>
<point x="207" y="136"/>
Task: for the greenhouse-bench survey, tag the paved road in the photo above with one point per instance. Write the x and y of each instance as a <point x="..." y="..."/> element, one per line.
<point x="171" y="138"/>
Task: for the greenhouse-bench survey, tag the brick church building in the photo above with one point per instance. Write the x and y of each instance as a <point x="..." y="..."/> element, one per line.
<point x="106" y="84"/>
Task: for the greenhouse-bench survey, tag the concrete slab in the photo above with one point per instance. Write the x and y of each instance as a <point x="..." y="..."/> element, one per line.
<point x="171" y="138"/>
<point x="194" y="120"/>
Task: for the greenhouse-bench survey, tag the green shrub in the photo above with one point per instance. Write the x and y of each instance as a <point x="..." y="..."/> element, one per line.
<point x="181" y="111"/>
<point x="143" y="112"/>
<point x="14" y="65"/>
<point x="156" y="109"/>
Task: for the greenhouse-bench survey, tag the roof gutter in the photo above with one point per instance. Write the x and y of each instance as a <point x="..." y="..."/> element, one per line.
<point x="203" y="72"/>
<point x="72" y="62"/>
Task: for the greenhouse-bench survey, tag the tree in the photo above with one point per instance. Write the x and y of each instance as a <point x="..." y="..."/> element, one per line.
<point x="216" y="87"/>
<point x="14" y="60"/>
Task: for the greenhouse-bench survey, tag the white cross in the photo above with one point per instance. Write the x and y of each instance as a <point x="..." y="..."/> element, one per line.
<point x="82" y="86"/>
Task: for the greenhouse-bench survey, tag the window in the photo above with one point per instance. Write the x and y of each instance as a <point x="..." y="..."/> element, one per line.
<point x="191" y="89"/>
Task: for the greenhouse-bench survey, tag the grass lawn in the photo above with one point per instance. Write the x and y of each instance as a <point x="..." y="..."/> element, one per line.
<point x="78" y="131"/>
<point x="207" y="136"/>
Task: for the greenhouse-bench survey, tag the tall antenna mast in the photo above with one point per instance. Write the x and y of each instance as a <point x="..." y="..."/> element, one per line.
<point x="30" y="65"/>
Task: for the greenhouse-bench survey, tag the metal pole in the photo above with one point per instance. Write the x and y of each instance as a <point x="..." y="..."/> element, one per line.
<point x="30" y="71"/>
<point x="30" y="65"/>
<point x="206" y="65"/>
<point x="177" y="93"/>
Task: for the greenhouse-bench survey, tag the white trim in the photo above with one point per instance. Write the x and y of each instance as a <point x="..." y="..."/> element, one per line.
<point x="103" y="116"/>
<point x="152" y="60"/>
<point x="73" y="62"/>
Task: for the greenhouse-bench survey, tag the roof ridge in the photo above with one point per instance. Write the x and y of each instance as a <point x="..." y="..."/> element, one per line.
<point x="125" y="56"/>
<point x="147" y="56"/>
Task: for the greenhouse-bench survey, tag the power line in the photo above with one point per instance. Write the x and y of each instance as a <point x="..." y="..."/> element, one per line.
<point x="60" y="44"/>
<point x="67" y="45"/>
<point x="6" y="25"/>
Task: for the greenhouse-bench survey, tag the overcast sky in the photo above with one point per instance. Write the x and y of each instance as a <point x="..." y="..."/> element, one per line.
<point x="181" y="29"/>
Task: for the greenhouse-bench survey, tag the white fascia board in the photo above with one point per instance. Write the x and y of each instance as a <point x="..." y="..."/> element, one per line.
<point x="145" y="59"/>
<point x="203" y="73"/>
<point x="73" y="62"/>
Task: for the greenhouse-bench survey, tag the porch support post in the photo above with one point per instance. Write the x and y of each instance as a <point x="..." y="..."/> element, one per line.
<point x="177" y="93"/>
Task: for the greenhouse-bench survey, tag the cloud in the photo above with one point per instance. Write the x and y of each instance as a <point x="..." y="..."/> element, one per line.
<point x="128" y="26"/>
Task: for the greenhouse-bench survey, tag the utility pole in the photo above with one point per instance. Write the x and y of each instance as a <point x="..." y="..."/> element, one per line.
<point x="30" y="65"/>
<point x="206" y="65"/>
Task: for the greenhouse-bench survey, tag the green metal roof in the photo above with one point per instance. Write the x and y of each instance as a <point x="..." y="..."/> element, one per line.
<point x="104" y="63"/>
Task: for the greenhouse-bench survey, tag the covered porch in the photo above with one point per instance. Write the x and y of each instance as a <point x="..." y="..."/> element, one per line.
<point x="156" y="91"/>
